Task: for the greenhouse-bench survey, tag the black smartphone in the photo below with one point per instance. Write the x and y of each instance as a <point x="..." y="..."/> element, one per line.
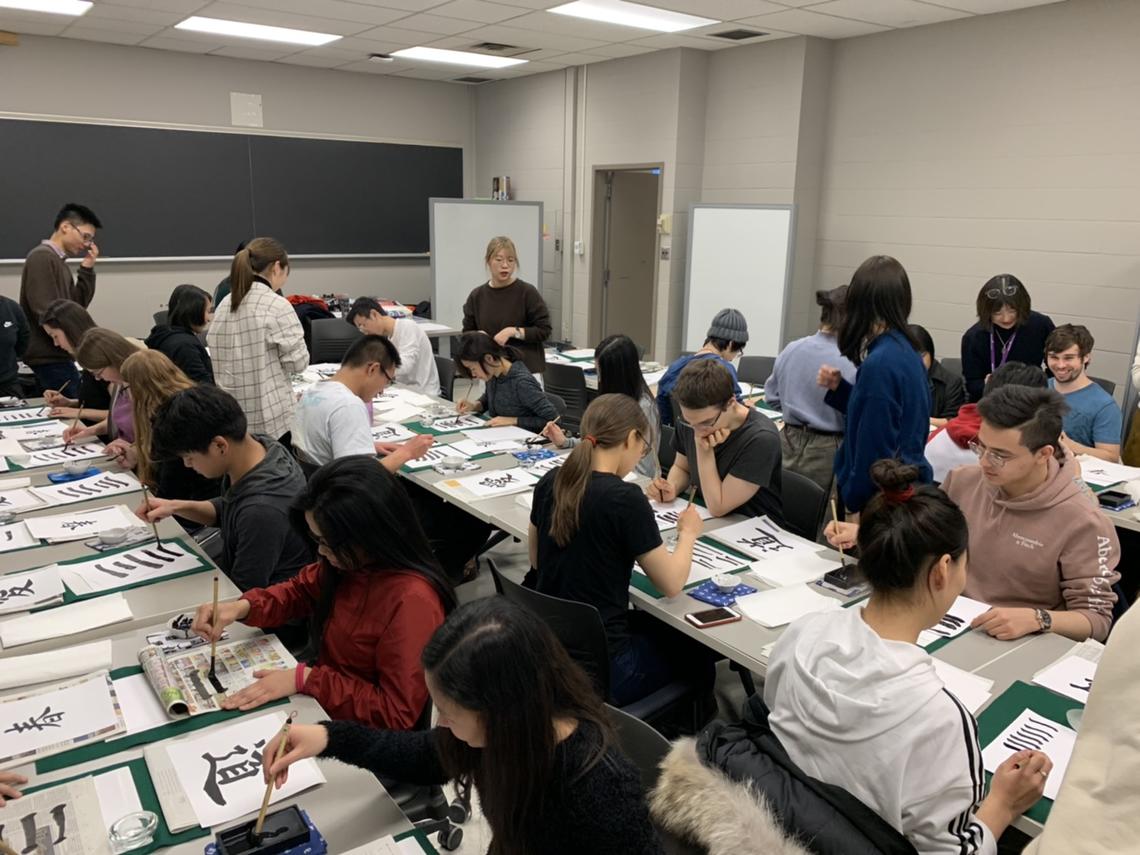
<point x="844" y="577"/>
<point x="1113" y="499"/>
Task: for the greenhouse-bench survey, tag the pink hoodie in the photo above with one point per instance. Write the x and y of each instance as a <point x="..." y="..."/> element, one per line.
<point x="1051" y="549"/>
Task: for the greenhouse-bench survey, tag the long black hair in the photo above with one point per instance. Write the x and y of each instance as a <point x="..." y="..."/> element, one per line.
<point x="879" y="294"/>
<point x="502" y="662"/>
<point x="367" y="519"/>
<point x="480" y="347"/>
<point x="186" y="307"/>
<point x="619" y="368"/>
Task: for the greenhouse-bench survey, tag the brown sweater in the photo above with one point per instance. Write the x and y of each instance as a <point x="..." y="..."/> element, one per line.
<point x="45" y="279"/>
<point x="516" y="305"/>
<point x="1052" y="548"/>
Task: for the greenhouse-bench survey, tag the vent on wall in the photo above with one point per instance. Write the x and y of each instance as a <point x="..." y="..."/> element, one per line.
<point x="499" y="49"/>
<point x="737" y="35"/>
<point x="471" y="79"/>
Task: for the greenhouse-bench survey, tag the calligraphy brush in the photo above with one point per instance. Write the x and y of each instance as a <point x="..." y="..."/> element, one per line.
<point x="835" y="517"/>
<point x="74" y="423"/>
<point x="214" y="642"/>
<point x="534" y="440"/>
<point x="153" y="524"/>
<point x="692" y="492"/>
<point x="255" y="835"/>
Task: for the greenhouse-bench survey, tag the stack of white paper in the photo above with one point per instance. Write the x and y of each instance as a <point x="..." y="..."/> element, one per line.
<point x="79" y="525"/>
<point x="780" y="571"/>
<point x="667" y="513"/>
<point x="65" y="620"/>
<point x="1033" y="732"/>
<point x="973" y="691"/>
<point x="784" y="605"/>
<point x="761" y="538"/>
<point x="30" y="589"/>
<point x="55" y="664"/>
<point x="1071" y="675"/>
<point x="398" y="412"/>
<point x="15" y="536"/>
<point x="86" y="489"/>
<point x="1103" y="473"/>
<point x="471" y="447"/>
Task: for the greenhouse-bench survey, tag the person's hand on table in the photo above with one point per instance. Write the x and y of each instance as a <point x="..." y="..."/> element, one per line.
<point x="268" y="686"/>
<point x="829" y="378"/>
<point x="1006" y="624"/>
<point x="56" y="399"/>
<point x="9" y="786"/>
<point x="209" y="627"/>
<point x="841" y="535"/>
<point x="661" y="490"/>
<point x="301" y="742"/>
<point x="123" y="453"/>
<point x="1019" y="782"/>
<point x="63" y="412"/>
<point x="555" y="434"/>
<point x="418" y="446"/>
<point x="503" y="421"/>
<point x="386" y="448"/>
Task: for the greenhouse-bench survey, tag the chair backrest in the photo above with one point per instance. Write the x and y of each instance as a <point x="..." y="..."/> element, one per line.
<point x="952" y="364"/>
<point x="558" y="402"/>
<point x="665" y="451"/>
<point x="1108" y="385"/>
<point x="446" y="369"/>
<point x="331" y="339"/>
<point x="569" y="383"/>
<point x="641" y="743"/>
<point x="755" y="369"/>
<point x="161" y="317"/>
<point x="577" y="625"/>
<point x="805" y="503"/>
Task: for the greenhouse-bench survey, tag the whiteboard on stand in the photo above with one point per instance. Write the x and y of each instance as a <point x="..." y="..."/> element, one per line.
<point x="740" y="257"/>
<point x="460" y="231"/>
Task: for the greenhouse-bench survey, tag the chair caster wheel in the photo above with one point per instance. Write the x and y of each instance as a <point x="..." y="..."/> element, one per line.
<point x="458" y="812"/>
<point x="450" y="839"/>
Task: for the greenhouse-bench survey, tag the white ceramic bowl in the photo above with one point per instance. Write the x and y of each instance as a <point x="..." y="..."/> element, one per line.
<point x="726" y="582"/>
<point x="112" y="536"/>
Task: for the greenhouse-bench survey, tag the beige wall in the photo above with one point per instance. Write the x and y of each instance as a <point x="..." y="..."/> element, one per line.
<point x="1004" y="143"/>
<point x="84" y="80"/>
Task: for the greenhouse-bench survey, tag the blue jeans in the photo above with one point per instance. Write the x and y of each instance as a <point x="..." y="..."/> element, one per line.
<point x="655" y="656"/>
<point x="53" y="375"/>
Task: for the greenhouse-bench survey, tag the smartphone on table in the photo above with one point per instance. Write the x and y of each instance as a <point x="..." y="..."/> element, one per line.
<point x="712" y="617"/>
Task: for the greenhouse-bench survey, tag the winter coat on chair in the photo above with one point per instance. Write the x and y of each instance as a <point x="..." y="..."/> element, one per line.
<point x="736" y="790"/>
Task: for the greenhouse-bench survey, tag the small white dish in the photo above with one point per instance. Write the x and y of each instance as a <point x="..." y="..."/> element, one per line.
<point x="76" y="467"/>
<point x="112" y="536"/>
<point x="725" y="582"/>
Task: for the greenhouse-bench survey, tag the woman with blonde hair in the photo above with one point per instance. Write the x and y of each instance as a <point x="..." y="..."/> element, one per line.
<point x="103" y="352"/>
<point x="506" y="308"/>
<point x="153" y="379"/>
<point x="256" y="341"/>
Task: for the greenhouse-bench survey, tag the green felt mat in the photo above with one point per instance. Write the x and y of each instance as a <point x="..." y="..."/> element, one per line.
<point x="178" y="727"/>
<point x="1008" y="706"/>
<point x="148" y="798"/>
<point x="640" y="581"/>
<point x="420" y="838"/>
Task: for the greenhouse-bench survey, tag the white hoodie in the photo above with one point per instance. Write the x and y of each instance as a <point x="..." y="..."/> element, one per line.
<point x="872" y="716"/>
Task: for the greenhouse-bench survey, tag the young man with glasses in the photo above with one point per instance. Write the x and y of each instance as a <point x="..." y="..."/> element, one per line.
<point x="333" y="419"/>
<point x="47" y="278"/>
<point x="417" y="368"/>
<point x="729" y="451"/>
<point x="1093" y="423"/>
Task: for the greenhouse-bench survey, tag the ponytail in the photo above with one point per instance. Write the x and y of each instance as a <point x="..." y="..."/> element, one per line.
<point x="605" y="424"/>
<point x="258" y="256"/>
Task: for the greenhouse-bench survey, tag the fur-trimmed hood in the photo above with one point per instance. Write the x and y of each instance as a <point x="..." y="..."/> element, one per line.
<point x="703" y="805"/>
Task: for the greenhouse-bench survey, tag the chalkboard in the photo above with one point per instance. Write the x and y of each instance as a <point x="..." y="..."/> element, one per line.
<point x="178" y="193"/>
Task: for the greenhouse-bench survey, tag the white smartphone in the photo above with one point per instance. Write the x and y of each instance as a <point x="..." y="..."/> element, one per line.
<point x="712" y="617"/>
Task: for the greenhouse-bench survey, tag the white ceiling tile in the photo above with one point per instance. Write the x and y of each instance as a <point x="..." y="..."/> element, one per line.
<point x="985" y="7"/>
<point x="378" y="67"/>
<point x="665" y="41"/>
<point x="431" y="23"/>
<point x="184" y="45"/>
<point x="398" y="35"/>
<point x="533" y="4"/>
<point x="117" y="12"/>
<point x="533" y="38"/>
<point x="889" y="13"/>
<point x="565" y="59"/>
<point x="436" y="72"/>
<point x="478" y="10"/>
<point x="255" y="15"/>
<point x="362" y="47"/>
<point x="805" y="23"/>
<point x="579" y="28"/>
<point x="127" y="27"/>
<point x="337" y="10"/>
<point x="34" y="25"/>
<point x="252" y="52"/>
<point x="405" y="5"/>
<point x="315" y="61"/>
<point x="724" y="10"/>
<point x="182" y="7"/>
<point x="616" y="51"/>
<point x="93" y="34"/>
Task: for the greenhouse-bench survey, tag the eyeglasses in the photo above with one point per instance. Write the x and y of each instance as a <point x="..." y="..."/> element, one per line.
<point x="1006" y="289"/>
<point x="646" y="447"/>
<point x="708" y="424"/>
<point x="998" y="460"/>
<point x="88" y="237"/>
<point x="391" y="377"/>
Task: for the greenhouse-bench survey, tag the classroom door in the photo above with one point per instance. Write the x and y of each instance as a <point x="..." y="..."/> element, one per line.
<point x="628" y="274"/>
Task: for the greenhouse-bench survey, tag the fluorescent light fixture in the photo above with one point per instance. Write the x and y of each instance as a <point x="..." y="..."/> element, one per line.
<point x="632" y="15"/>
<point x="241" y="29"/>
<point x="457" y="57"/>
<point x="52" y="7"/>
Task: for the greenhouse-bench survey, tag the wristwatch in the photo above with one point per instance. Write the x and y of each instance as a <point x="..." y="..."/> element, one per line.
<point x="1044" y="620"/>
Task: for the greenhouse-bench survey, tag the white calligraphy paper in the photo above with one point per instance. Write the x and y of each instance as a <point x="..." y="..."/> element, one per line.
<point x="495" y="434"/>
<point x="1104" y="473"/>
<point x="150" y="561"/>
<point x="85" y="489"/>
<point x="973" y="691"/>
<point x="544" y="466"/>
<point x="38" y="430"/>
<point x="1071" y="677"/>
<point x="21" y="592"/>
<point x="954" y="622"/>
<point x="15" y="536"/>
<point x="780" y="571"/>
<point x="56" y="456"/>
<point x="434" y="455"/>
<point x="708" y="561"/>
<point x="20" y="500"/>
<point x="392" y="432"/>
<point x="1033" y="732"/>
<point x="450" y="425"/>
<point x="78" y="525"/>
<point x="667" y="513"/>
<point x="498" y="482"/>
<point x="783" y="605"/>
<point x="65" y="820"/>
<point x="54" y="719"/>
<point x="397" y="413"/>
<point x="65" y="620"/>
<point x="58" y="664"/>
<point x="472" y="447"/>
<point x="219" y="769"/>
<point x="27" y="414"/>
<point x="760" y="538"/>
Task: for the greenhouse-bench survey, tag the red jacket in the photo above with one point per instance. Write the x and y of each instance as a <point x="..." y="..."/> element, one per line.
<point x="369" y="668"/>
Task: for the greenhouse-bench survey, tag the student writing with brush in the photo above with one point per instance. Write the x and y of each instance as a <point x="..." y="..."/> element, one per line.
<point x="372" y="600"/>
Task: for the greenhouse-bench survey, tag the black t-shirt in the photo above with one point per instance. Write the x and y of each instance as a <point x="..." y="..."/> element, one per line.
<point x="751" y="453"/>
<point x="1028" y="347"/>
<point x="615" y="525"/>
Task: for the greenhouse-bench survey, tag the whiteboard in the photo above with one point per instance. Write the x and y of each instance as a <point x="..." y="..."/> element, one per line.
<point x="740" y="257"/>
<point x="460" y="230"/>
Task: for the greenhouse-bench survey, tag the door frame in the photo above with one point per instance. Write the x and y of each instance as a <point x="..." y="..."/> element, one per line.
<point x="597" y="256"/>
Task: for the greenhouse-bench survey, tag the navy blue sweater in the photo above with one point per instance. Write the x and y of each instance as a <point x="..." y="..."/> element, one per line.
<point x="888" y="415"/>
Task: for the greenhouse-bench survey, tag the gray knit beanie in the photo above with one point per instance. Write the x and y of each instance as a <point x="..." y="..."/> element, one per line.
<point x="729" y="324"/>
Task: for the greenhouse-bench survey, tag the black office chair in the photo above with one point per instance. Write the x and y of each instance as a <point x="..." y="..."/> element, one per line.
<point x="446" y="369"/>
<point x="805" y="504"/>
<point x="161" y="317"/>
<point x="331" y="339"/>
<point x="579" y="627"/>
<point x="569" y="383"/>
<point x="666" y="454"/>
<point x="646" y="748"/>
<point x="954" y="366"/>
<point x="559" y="403"/>
<point x="1107" y="385"/>
<point x="755" y="369"/>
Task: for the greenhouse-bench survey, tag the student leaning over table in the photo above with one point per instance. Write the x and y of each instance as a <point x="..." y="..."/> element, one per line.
<point x="1044" y="554"/>
<point x="65" y="323"/>
<point x="518" y="719"/>
<point x="512" y="395"/>
<point x="858" y="704"/>
<point x="373" y="599"/>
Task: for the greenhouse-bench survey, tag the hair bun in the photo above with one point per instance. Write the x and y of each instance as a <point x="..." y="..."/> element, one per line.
<point x="893" y="476"/>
